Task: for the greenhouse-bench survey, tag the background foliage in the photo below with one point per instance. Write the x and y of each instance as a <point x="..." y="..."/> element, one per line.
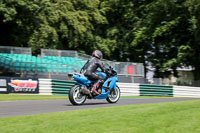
<point x="165" y="33"/>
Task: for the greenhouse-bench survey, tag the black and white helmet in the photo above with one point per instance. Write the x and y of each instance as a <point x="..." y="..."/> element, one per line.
<point x="97" y="54"/>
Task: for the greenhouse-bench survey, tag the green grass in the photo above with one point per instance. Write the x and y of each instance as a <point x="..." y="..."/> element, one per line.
<point x="175" y="117"/>
<point x="15" y="97"/>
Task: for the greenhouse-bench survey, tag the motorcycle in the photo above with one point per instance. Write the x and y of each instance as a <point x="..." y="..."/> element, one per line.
<point x="83" y="88"/>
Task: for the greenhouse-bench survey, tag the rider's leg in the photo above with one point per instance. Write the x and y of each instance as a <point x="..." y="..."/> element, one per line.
<point x="94" y="77"/>
<point x="99" y="82"/>
<point x="97" y="85"/>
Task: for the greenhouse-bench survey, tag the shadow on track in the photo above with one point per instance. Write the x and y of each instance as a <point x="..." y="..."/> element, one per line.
<point x="87" y="104"/>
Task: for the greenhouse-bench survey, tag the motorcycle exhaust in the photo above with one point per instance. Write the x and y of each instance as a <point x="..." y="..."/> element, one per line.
<point x="86" y="91"/>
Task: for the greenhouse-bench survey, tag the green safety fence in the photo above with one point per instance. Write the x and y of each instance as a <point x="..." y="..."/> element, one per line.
<point x="156" y="90"/>
<point x="61" y="87"/>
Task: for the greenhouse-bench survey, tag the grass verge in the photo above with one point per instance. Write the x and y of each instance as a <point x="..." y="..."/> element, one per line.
<point x="175" y="117"/>
<point x="17" y="97"/>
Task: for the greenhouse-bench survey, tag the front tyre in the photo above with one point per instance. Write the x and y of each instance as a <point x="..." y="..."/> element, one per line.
<point x="114" y="95"/>
<point x="75" y="96"/>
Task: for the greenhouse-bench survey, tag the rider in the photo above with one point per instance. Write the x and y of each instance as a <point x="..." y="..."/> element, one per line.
<point x="91" y="67"/>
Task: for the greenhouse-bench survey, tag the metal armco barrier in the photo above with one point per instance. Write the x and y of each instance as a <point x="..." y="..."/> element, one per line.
<point x="156" y="90"/>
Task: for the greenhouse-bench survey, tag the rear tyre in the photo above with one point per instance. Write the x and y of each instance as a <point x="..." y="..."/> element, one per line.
<point x="75" y="96"/>
<point x="114" y="95"/>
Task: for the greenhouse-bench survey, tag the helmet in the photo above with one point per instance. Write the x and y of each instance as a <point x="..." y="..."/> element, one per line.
<point x="97" y="54"/>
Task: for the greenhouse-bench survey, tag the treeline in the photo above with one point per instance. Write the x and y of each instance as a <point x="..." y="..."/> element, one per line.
<point x="165" y="33"/>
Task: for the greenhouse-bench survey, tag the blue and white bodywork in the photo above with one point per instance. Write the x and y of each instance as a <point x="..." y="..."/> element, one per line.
<point x="109" y="90"/>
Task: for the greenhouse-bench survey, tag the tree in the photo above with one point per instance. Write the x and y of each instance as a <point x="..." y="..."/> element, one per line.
<point x="163" y="32"/>
<point x="64" y="24"/>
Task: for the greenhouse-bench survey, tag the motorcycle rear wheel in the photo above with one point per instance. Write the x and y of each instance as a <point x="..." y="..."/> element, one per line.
<point x="114" y="95"/>
<point x="75" y="96"/>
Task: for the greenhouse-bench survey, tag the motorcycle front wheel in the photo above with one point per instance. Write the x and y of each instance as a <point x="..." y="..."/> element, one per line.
<point x="75" y="96"/>
<point x="114" y="95"/>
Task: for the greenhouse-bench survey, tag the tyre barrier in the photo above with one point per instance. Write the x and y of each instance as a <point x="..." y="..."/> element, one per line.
<point x="156" y="90"/>
<point x="62" y="87"/>
<point x="55" y="87"/>
<point x="186" y="91"/>
<point x="45" y="87"/>
<point x="3" y="86"/>
<point x="129" y="89"/>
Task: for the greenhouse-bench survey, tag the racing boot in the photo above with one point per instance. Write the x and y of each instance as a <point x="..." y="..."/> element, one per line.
<point x="96" y="86"/>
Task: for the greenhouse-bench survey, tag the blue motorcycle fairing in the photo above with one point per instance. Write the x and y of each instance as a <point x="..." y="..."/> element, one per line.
<point x="109" y="83"/>
<point x="81" y="79"/>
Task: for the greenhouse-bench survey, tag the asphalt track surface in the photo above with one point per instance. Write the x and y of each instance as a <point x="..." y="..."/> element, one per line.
<point x="31" y="107"/>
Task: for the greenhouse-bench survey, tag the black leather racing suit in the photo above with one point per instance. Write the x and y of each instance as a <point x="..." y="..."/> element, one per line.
<point x="89" y="70"/>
